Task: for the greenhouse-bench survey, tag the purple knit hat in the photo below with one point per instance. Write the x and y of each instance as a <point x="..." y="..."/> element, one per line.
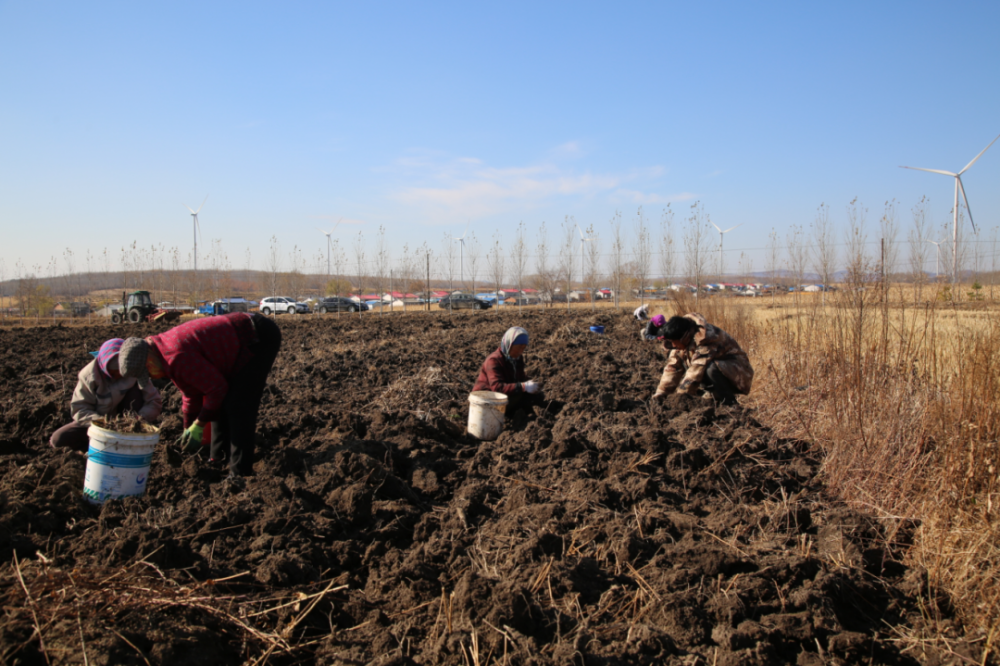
<point x="658" y="320"/>
<point x="107" y="352"/>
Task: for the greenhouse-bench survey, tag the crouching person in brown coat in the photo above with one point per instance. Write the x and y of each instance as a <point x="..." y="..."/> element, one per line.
<point x="703" y="357"/>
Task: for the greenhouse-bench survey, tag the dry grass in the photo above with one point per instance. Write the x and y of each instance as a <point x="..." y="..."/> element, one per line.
<point x="905" y="401"/>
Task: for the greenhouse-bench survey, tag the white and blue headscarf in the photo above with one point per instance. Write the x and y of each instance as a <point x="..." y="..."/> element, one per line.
<point x="515" y="335"/>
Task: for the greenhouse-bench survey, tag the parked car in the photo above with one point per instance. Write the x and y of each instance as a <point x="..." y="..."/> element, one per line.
<point x="279" y="304"/>
<point x="338" y="304"/>
<point x="223" y="306"/>
<point x="463" y="301"/>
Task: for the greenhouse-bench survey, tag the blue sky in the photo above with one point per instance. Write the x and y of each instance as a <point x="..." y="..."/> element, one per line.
<point x="423" y="117"/>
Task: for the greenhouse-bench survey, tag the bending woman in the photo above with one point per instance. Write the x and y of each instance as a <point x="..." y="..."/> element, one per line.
<point x="220" y="365"/>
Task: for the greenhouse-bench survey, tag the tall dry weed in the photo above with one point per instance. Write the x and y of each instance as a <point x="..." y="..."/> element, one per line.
<point x="906" y="403"/>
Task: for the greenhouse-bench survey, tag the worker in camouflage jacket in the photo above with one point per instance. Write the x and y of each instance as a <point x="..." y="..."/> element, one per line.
<point x="702" y="357"/>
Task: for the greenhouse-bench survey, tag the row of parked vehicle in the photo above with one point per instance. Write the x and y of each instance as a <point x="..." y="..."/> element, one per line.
<point x="285" y="305"/>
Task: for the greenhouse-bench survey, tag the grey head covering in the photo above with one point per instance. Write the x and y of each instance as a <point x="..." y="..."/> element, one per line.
<point x="132" y="360"/>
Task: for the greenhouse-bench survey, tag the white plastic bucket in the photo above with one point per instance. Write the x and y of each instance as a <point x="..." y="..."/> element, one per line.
<point x="486" y="414"/>
<point x="117" y="463"/>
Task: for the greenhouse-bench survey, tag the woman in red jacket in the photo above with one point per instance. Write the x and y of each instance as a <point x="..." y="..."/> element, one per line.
<point x="220" y="365"/>
<point x="503" y="371"/>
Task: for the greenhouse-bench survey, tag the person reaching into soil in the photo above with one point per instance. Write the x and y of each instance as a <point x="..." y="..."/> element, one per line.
<point x="702" y="356"/>
<point x="641" y="313"/>
<point x="102" y="391"/>
<point x="220" y="365"/>
<point x="654" y="328"/>
<point x="503" y="372"/>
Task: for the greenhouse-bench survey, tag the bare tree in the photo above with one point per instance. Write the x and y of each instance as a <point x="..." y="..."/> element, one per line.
<point x="448" y="254"/>
<point x="798" y="256"/>
<point x="617" y="255"/>
<point x="566" y="253"/>
<point x="667" y="259"/>
<point x="544" y="275"/>
<point x="642" y="253"/>
<point x="889" y="226"/>
<point x="359" y="264"/>
<point x="773" y="255"/>
<point x="918" y="246"/>
<point x="519" y="262"/>
<point x="824" y="251"/>
<point x="592" y="256"/>
<point x="402" y="275"/>
<point x="696" y="246"/>
<point x="496" y="263"/>
<point x="472" y="256"/>
<point x="274" y="267"/>
<point x="855" y="243"/>
<point x="381" y="266"/>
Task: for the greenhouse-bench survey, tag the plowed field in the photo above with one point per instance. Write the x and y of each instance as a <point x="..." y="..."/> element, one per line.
<point x="598" y="529"/>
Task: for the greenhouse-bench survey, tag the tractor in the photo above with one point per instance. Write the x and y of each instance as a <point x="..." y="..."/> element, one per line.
<point x="138" y="306"/>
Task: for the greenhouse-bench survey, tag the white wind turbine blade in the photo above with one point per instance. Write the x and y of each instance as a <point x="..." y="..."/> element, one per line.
<point x="962" y="187"/>
<point x="731" y="228"/>
<point x="202" y="204"/>
<point x="945" y="173"/>
<point x="716" y="226"/>
<point x="189" y="208"/>
<point x="974" y="161"/>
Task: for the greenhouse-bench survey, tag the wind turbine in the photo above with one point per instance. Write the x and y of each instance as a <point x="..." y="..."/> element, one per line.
<point x="328" y="234"/>
<point x="937" y="272"/>
<point x="958" y="186"/>
<point x="197" y="229"/>
<point x="461" y="259"/>
<point x="582" y="271"/>
<point x="721" y="233"/>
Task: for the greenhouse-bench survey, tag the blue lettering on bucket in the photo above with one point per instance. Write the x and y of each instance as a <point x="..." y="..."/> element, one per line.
<point x="141" y="479"/>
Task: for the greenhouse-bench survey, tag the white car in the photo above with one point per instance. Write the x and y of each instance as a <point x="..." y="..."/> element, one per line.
<point x="279" y="304"/>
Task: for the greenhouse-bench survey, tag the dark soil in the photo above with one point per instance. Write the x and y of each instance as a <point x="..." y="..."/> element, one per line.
<point x="600" y="529"/>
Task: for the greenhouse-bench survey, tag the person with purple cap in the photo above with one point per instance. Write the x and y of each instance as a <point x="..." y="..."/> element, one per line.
<point x="503" y="371"/>
<point x="102" y="391"/>
<point x="654" y="328"/>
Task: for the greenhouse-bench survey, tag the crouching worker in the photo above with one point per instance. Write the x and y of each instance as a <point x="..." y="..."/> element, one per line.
<point x="220" y="365"/>
<point x="102" y="391"/>
<point x="503" y="372"/>
<point x="702" y="356"/>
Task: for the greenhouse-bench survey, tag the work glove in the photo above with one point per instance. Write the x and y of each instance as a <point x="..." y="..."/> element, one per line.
<point x="190" y="439"/>
<point x="532" y="387"/>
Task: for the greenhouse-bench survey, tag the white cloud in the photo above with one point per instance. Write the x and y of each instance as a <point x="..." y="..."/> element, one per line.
<point x="462" y="188"/>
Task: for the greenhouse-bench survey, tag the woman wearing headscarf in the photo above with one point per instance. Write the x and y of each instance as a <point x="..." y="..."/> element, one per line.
<point x="220" y="365"/>
<point x="102" y="391"/>
<point x="503" y="370"/>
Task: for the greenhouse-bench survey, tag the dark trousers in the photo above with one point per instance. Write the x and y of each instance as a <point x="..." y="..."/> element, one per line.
<point x="74" y="435"/>
<point x="720" y="386"/>
<point x="236" y="426"/>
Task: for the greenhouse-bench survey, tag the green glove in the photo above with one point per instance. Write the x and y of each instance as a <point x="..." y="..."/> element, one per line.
<point x="191" y="438"/>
